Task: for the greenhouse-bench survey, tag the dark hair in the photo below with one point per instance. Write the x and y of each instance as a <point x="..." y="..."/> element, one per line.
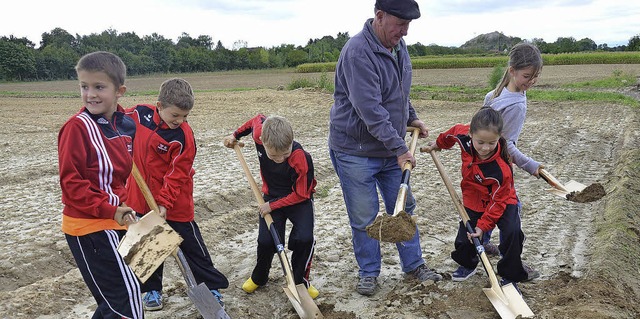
<point x="107" y="62"/>
<point x="521" y="56"/>
<point x="491" y="120"/>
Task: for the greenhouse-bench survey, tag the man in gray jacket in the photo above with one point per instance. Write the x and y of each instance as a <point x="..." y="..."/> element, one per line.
<point x="368" y="123"/>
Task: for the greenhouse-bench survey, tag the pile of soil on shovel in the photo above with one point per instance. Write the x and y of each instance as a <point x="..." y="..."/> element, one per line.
<point x="392" y="229"/>
<point x="591" y="193"/>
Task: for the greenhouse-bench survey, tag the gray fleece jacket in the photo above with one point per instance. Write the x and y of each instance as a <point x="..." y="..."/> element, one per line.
<point x="513" y="107"/>
<point x="371" y="109"/>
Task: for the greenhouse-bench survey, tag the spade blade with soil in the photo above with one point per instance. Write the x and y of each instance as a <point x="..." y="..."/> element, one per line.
<point x="400" y="226"/>
<point x="573" y="191"/>
<point x="147" y="243"/>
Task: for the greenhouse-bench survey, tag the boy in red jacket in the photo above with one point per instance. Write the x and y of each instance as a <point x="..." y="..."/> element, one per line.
<point x="94" y="157"/>
<point x="288" y="184"/>
<point x="164" y="151"/>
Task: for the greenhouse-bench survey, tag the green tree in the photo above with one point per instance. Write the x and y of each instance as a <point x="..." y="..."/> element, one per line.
<point x="565" y="45"/>
<point x="221" y="57"/>
<point x="585" y="44"/>
<point x="130" y="42"/>
<point x="634" y="43"/>
<point x="55" y="62"/>
<point x="161" y="50"/>
<point x="17" y="61"/>
<point x="193" y="59"/>
<point x="58" y="37"/>
<point x="296" y="57"/>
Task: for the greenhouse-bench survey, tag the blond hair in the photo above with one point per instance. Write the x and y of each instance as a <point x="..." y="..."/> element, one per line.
<point x="277" y="133"/>
<point x="107" y="62"/>
<point x="176" y="92"/>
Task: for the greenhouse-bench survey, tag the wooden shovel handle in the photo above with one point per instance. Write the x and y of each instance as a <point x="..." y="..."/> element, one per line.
<point x="447" y="181"/>
<point x="465" y="219"/>
<point x="406" y="172"/>
<point x="252" y="182"/>
<point x="415" y="131"/>
<point x="144" y="188"/>
<point x="551" y="180"/>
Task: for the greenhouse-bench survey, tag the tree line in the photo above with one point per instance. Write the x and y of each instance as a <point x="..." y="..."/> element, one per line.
<point x="59" y="51"/>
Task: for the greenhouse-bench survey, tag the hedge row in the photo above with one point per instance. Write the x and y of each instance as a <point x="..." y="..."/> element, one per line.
<point x="454" y="62"/>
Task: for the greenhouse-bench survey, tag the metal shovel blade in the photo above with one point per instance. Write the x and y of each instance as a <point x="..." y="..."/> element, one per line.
<point x="206" y="303"/>
<point x="147" y="244"/>
<point x="559" y="189"/>
<point x="508" y="302"/>
<point x="304" y="306"/>
<point x="570" y="187"/>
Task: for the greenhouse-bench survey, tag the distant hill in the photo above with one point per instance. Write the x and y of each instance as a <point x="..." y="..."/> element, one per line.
<point x="494" y="41"/>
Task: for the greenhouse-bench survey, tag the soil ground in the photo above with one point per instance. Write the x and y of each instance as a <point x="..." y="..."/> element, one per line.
<point x="588" y="253"/>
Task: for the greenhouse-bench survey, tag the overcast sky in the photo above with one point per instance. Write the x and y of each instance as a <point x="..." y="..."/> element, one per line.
<point x="269" y="23"/>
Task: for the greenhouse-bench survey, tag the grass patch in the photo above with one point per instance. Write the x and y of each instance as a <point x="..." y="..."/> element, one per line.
<point x="618" y="79"/>
<point x="36" y="94"/>
<point x="563" y="95"/>
<point x="322" y="192"/>
<point x="465" y="94"/>
<point x="447" y="93"/>
<point x="323" y="83"/>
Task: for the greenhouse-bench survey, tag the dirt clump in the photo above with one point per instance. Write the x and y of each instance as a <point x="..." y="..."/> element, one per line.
<point x="392" y="229"/>
<point x="591" y="193"/>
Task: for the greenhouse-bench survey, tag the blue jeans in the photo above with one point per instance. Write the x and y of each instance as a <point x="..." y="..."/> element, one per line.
<point x="361" y="178"/>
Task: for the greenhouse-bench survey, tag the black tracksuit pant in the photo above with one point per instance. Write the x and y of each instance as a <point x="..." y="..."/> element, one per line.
<point x="301" y="242"/>
<point x="112" y="283"/>
<point x="511" y="243"/>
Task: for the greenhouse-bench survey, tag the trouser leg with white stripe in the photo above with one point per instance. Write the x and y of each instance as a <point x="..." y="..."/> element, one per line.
<point x="112" y="283"/>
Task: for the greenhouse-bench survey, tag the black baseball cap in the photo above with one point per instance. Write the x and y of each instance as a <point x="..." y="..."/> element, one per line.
<point x="403" y="9"/>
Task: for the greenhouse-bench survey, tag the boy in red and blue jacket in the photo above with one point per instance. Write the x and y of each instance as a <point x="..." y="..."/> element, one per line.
<point x="288" y="184"/>
<point x="94" y="158"/>
<point x="164" y="151"/>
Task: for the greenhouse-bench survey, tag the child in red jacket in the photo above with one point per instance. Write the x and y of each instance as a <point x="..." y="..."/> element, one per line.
<point x="288" y="184"/>
<point x="488" y="195"/>
<point x="164" y="151"/>
<point x="94" y="158"/>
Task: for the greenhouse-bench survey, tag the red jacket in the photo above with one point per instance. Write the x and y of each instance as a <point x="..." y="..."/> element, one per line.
<point x="284" y="184"/>
<point x="165" y="158"/>
<point x="94" y="158"/>
<point x="487" y="185"/>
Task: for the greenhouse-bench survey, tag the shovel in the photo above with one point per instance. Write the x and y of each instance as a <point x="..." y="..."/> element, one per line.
<point x="199" y="294"/>
<point x="506" y="299"/>
<point x="298" y="294"/>
<point x="573" y="191"/>
<point x="400" y="226"/>
<point x="147" y="243"/>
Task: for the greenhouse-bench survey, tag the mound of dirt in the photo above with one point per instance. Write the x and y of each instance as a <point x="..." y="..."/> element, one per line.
<point x="591" y="193"/>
